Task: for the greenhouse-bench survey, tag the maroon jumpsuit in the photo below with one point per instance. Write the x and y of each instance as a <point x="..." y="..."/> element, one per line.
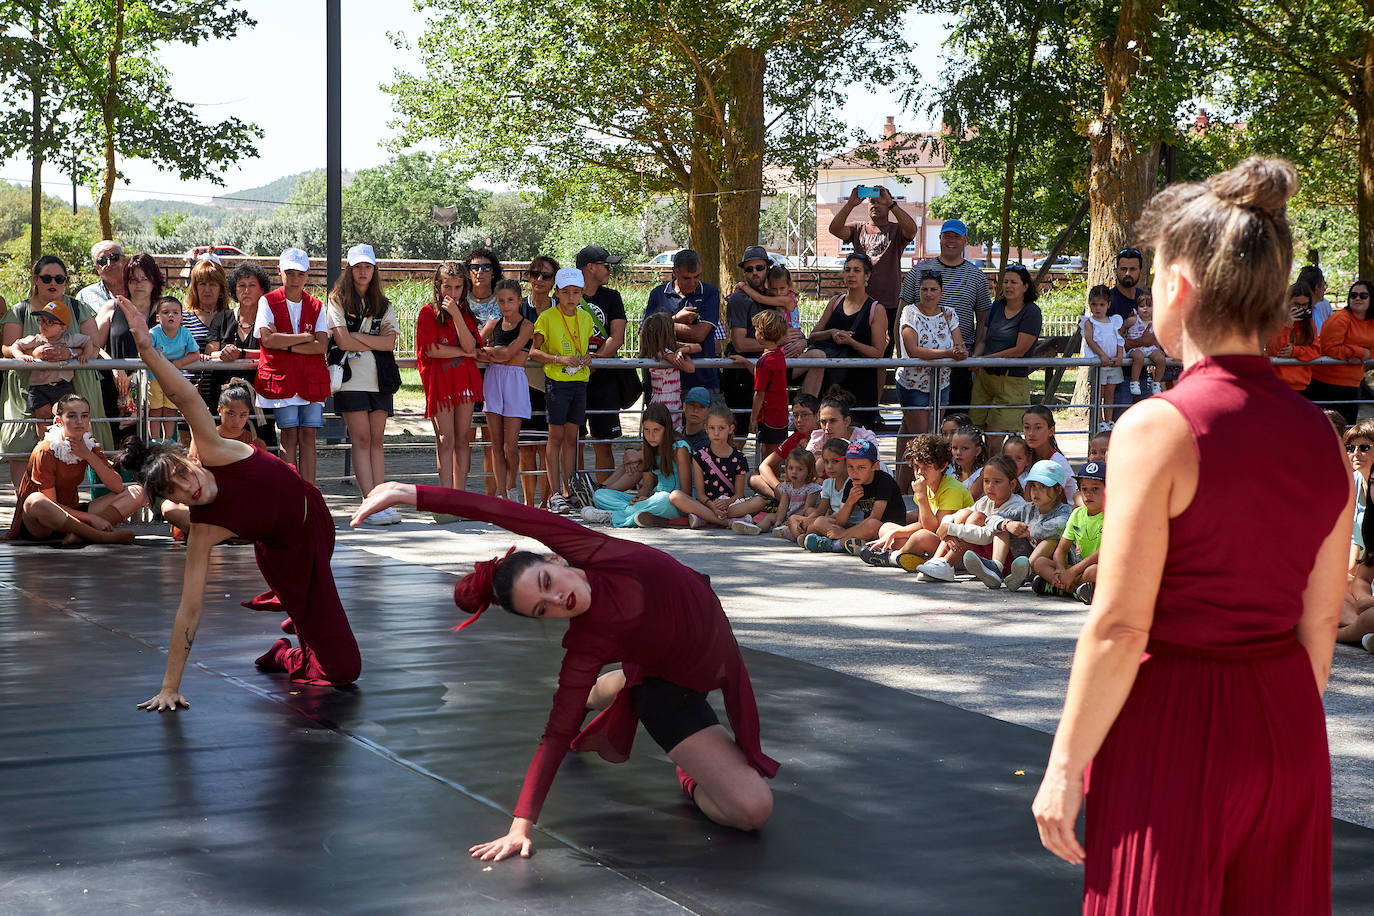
<point x="1212" y="791"/>
<point x="650" y="612"/>
<point x="262" y="499"/>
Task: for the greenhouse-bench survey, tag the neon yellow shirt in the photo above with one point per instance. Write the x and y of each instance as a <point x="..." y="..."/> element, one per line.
<point x="555" y="327"/>
<point x="949" y="496"/>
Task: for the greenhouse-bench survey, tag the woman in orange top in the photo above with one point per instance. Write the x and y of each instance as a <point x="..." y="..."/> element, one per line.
<point x="1349" y="335"/>
<point x="1297" y="339"/>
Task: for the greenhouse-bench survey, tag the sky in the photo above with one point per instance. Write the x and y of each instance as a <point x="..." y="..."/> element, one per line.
<point x="250" y="78"/>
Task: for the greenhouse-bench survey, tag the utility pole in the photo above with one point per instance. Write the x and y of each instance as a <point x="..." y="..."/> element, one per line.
<point x="333" y="143"/>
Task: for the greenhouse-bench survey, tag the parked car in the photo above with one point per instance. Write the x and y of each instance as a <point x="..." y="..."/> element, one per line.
<point x="1063" y="262"/>
<point x="663" y="258"/>
<point x="217" y="250"/>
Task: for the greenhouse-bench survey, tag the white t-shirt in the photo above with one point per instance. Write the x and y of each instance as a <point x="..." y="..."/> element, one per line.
<point x="934" y="332"/>
<point x="1106" y="334"/>
<point x="363" y="366"/>
<point x="293" y="310"/>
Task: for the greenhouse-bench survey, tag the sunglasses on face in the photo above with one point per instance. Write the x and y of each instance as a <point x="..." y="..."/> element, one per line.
<point x="105" y="260"/>
<point x="1361" y="296"/>
<point x="541" y="275"/>
<point x="1361" y="447"/>
<point x="755" y="270"/>
<point x="480" y="268"/>
<point x="59" y="279"/>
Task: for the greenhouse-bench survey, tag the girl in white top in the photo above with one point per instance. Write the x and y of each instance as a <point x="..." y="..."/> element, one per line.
<point x="970" y="453"/>
<point x="1102" y="336"/>
<point x="1037" y="428"/>
<point x="831" y="495"/>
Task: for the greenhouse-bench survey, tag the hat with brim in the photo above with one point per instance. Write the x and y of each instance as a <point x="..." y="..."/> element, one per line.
<point x="568" y="276"/>
<point x="294" y="259"/>
<point x="57" y="311"/>
<point x="754" y="253"/>
<point x="361" y="254"/>
<point x="1046" y="473"/>
<point x="1092" y="470"/>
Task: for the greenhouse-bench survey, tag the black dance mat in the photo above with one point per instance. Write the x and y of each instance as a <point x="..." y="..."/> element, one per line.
<point x="268" y="797"/>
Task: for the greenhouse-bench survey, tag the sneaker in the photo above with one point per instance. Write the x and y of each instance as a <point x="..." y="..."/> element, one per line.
<point x="1367" y="640"/>
<point x="985" y="572"/>
<point x="649" y="520"/>
<point x="1039" y="586"/>
<point x="559" y="504"/>
<point x="744" y="526"/>
<point x="378" y="520"/>
<point x="513" y="494"/>
<point x="1018" y="574"/>
<point x="388" y="516"/>
<point x="782" y="531"/>
<point x="874" y="557"/>
<point x="937" y="570"/>
<point x="1084" y="592"/>
<point x="851" y="546"/>
<point x="594" y="516"/>
<point x="443" y="518"/>
<point x="818" y="544"/>
<point x="1135" y="388"/>
<point x="907" y="561"/>
<point x="581" y="486"/>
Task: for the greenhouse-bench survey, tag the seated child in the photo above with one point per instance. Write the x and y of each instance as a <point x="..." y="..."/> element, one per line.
<point x="695" y="403"/>
<point x="718" y="475"/>
<point x="48" y="386"/>
<point x="1147" y="349"/>
<point x="1073" y="567"/>
<point x="937" y="495"/>
<point x="953" y="422"/>
<point x="666" y="466"/>
<point x="831" y="497"/>
<point x="1041" y="521"/>
<point x="795" y="494"/>
<point x="868" y="488"/>
<point x="969" y="452"/>
<point x="968" y="534"/>
<point x="1015" y="448"/>
<point x="1097" y="445"/>
<point x="804" y="423"/>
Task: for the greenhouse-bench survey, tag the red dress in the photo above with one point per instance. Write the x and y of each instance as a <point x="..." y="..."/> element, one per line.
<point x="262" y="499"/>
<point x="672" y="628"/>
<point x="1212" y="791"/>
<point x="452" y="379"/>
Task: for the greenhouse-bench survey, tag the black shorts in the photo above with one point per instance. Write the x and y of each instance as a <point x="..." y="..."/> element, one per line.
<point x="772" y="435"/>
<point x="361" y="402"/>
<point x="43" y="395"/>
<point x="602" y="394"/>
<point x="671" y="713"/>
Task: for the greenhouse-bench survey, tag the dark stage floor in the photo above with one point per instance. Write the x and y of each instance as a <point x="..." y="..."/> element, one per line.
<point x="268" y="797"/>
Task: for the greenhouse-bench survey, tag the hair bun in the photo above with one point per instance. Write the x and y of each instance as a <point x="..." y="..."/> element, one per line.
<point x="1257" y="183"/>
<point x="136" y="452"/>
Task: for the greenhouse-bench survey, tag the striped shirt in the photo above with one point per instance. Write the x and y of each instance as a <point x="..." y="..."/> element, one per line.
<point x="966" y="291"/>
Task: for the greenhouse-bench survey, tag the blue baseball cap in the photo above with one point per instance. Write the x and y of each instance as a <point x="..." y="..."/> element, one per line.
<point x="1047" y="473"/>
<point x="1092" y="470"/>
<point x="954" y="225"/>
<point x="862" y="448"/>
<point x="697" y="395"/>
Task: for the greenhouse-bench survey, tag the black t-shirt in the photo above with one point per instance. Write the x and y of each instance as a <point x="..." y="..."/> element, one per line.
<point x="605" y="306"/>
<point x="882" y="487"/>
<point x="1122" y="304"/>
<point x="1003" y="331"/>
<point x="740" y="310"/>
<point x="697" y="440"/>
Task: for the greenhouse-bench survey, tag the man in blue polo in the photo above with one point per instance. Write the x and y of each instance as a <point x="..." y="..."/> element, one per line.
<point x="695" y="308"/>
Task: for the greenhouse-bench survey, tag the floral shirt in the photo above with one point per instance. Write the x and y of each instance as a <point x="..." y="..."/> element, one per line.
<point x="933" y="332"/>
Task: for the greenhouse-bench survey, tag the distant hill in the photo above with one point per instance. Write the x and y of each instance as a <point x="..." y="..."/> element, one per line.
<point x="264" y="196"/>
<point x="148" y="207"/>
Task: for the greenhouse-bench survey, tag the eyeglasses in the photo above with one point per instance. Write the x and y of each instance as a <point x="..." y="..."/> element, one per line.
<point x="756" y="270"/>
<point x="480" y="268"/>
<point x="1362" y="296"/>
<point x="59" y="279"/>
<point x="1361" y="448"/>
<point x="105" y="260"/>
<point x="541" y="275"/>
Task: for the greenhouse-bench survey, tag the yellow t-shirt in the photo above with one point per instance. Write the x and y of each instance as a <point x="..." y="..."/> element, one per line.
<point x="950" y="496"/>
<point x="555" y="327"/>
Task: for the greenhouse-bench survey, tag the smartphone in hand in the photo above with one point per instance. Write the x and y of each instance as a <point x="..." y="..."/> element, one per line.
<point x="867" y="191"/>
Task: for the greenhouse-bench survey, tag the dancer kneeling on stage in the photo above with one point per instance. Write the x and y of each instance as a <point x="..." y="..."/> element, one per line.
<point x="673" y="639"/>
<point x="240" y="491"/>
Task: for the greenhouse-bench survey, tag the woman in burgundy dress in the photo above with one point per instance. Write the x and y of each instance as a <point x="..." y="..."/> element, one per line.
<point x="240" y="491"/>
<point x="1194" y="718"/>
<point x="671" y="635"/>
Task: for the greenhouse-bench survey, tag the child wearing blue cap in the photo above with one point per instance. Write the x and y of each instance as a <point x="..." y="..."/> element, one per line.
<point x="1041" y="521"/>
<point x="869" y="488"/>
<point x="1073" y="567"/>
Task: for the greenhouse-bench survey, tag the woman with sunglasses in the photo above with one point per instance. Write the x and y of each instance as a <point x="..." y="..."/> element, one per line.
<point x="49" y="284"/>
<point x="1359" y="445"/>
<point x="1012" y="327"/>
<point x="1347" y="335"/>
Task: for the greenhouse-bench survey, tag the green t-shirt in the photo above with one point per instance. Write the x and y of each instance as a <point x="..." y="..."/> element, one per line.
<point x="1084" y="530"/>
<point x="565" y="336"/>
<point x="949" y="496"/>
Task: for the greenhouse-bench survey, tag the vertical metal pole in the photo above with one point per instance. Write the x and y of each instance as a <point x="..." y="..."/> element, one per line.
<point x="1095" y="414"/>
<point x="333" y="142"/>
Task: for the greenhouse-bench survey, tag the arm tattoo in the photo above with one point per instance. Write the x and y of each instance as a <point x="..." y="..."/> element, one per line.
<point x="189" y="639"/>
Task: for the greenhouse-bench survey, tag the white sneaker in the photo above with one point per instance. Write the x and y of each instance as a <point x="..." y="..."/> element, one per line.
<point x="513" y="494"/>
<point x="391" y="515"/>
<point x="1135" y="388"/>
<point x="1020" y="572"/>
<point x="1367" y="640"/>
<point x="558" y="504"/>
<point x="936" y="570"/>
<point x="376" y="520"/>
<point x="744" y="526"/>
<point x="974" y="565"/>
<point x="594" y="516"/>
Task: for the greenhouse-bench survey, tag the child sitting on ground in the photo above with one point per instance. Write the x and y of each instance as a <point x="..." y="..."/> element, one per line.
<point x="938" y="494"/>
<point x="1073" y="567"/>
<point x="666" y="467"/>
<point x="968" y="534"/>
<point x="968" y="453"/>
<point x="695" y="403"/>
<point x="658" y="340"/>
<point x="1142" y="333"/>
<point x="870" y="489"/>
<point x="718" y="475"/>
<point x="48" y="386"/>
<point x="1097" y="445"/>
<point x="831" y="497"/>
<point x="1041" y="522"/>
<point x="1015" y="448"/>
<point x="796" y="493"/>
<point x="953" y="422"/>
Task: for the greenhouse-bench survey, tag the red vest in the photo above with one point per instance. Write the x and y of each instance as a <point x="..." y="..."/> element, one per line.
<point x="282" y="373"/>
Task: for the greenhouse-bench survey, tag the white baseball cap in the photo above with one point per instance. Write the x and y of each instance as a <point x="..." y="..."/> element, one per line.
<point x="294" y="259"/>
<point x="209" y="256"/>
<point x="568" y="276"/>
<point x="361" y="254"/>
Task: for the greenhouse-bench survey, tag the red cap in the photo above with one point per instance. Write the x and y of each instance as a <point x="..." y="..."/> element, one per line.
<point x="473" y="593"/>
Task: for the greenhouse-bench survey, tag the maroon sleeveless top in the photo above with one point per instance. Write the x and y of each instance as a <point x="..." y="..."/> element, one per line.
<point x="1271" y="488"/>
<point x="261" y="498"/>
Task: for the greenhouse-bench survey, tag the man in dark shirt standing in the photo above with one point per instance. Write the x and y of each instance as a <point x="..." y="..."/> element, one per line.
<point x="608" y="333"/>
<point x="695" y="309"/>
<point x="1129" y="264"/>
<point x="740" y="308"/>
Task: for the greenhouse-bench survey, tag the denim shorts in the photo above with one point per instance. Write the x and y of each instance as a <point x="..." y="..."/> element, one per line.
<point x="565" y="402"/>
<point x="912" y="397"/>
<point x="308" y="415"/>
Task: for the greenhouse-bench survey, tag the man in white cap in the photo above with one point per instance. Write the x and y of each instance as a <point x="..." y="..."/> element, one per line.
<point x="292" y="377"/>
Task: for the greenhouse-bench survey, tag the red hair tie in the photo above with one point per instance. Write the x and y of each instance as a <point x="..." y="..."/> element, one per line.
<point x="473" y="593"/>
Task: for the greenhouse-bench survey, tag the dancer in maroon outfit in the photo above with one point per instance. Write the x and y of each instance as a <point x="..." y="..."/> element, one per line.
<point x="670" y="633"/>
<point x="240" y="491"/>
<point x="1196" y="686"/>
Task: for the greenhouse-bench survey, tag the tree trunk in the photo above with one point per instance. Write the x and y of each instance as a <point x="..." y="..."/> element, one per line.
<point x="1013" y="147"/>
<point x="109" y="103"/>
<point x="1364" y="186"/>
<point x="741" y="170"/>
<point x="36" y="181"/>
<point x="702" y="200"/>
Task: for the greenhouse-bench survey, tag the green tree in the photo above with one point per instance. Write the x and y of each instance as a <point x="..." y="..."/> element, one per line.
<point x="609" y="103"/>
<point x="122" y="101"/>
<point x="515" y="226"/>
